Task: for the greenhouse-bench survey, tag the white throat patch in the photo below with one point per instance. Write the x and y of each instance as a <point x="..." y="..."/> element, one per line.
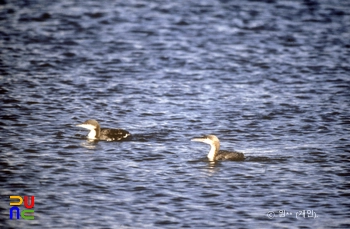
<point x="92" y="134"/>
<point x="211" y="155"/>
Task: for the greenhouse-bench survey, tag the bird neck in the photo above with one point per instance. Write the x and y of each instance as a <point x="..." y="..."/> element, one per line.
<point x="214" y="149"/>
<point x="94" y="134"/>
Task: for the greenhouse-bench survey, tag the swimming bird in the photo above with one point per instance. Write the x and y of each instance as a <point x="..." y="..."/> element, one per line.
<point x="215" y="154"/>
<point x="104" y="134"/>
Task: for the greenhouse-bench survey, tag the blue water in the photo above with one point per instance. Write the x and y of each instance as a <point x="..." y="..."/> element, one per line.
<point x="270" y="78"/>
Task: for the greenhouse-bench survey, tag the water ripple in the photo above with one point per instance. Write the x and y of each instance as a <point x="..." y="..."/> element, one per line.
<point x="272" y="83"/>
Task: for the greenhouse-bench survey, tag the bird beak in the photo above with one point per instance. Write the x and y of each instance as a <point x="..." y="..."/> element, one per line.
<point x="198" y="139"/>
<point x="86" y="126"/>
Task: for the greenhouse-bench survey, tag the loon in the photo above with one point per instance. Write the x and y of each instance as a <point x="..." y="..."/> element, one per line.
<point x="104" y="134"/>
<point x="215" y="154"/>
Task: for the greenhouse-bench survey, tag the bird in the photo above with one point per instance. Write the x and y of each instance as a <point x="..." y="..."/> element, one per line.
<point x="215" y="154"/>
<point x="104" y="134"/>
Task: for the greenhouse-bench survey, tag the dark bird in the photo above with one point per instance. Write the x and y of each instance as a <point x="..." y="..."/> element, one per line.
<point x="215" y="154"/>
<point x="104" y="134"/>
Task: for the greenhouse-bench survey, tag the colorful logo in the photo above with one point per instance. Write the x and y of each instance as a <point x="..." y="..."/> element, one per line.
<point x="24" y="213"/>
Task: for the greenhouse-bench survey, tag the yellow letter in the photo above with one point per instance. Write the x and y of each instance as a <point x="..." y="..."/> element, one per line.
<point x="16" y="197"/>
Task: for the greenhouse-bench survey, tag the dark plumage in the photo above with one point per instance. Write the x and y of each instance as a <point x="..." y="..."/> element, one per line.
<point x="228" y="155"/>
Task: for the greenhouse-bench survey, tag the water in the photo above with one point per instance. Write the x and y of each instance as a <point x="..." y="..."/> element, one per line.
<point x="269" y="78"/>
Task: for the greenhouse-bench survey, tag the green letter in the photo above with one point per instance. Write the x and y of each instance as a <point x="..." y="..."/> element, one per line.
<point x="28" y="217"/>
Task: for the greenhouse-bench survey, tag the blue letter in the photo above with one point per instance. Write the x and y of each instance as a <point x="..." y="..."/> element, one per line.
<point x="11" y="211"/>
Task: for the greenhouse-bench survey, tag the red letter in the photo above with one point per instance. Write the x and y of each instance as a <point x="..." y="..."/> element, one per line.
<point x="26" y="202"/>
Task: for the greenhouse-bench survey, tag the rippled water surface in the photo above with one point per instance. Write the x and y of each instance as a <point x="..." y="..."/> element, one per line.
<point x="270" y="78"/>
